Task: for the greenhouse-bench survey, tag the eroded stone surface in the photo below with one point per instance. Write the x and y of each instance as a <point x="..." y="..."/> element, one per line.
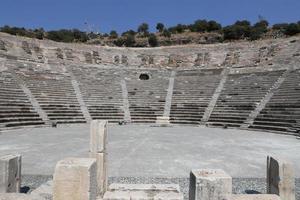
<point x="98" y="136"/>
<point x="143" y="191"/>
<point x="280" y="178"/>
<point x="210" y="184"/>
<point x="75" y="179"/>
<point x="255" y="197"/>
<point x="10" y="173"/>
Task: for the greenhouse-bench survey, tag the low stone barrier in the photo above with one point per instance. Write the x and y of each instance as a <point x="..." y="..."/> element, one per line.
<point x="10" y="173"/>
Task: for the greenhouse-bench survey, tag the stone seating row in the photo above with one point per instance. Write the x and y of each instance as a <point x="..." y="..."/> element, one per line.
<point x="240" y="96"/>
<point x="15" y="108"/>
<point x="101" y="92"/>
<point x="191" y="95"/>
<point x="282" y="112"/>
<point x="147" y="97"/>
<point x="55" y="95"/>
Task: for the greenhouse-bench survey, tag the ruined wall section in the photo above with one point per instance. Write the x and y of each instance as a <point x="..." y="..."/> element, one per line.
<point x="235" y="55"/>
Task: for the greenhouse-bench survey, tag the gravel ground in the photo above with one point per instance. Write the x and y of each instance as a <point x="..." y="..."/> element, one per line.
<point x="240" y="185"/>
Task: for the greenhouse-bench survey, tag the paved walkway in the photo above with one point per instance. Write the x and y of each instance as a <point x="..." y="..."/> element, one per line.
<point x="145" y="151"/>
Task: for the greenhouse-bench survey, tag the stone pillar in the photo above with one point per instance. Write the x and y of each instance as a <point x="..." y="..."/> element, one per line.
<point x="98" y="143"/>
<point x="280" y="178"/>
<point x="10" y="173"/>
<point x="210" y="184"/>
<point x="75" y="179"/>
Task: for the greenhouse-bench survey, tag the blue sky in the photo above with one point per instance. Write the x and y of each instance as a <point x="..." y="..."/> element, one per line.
<point x="121" y="15"/>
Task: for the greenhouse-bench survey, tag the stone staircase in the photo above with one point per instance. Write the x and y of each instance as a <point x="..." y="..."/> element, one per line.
<point x="54" y="93"/>
<point x="282" y="111"/>
<point x="101" y="91"/>
<point x="147" y="97"/>
<point x="193" y="90"/>
<point x="15" y="108"/>
<point x="240" y="96"/>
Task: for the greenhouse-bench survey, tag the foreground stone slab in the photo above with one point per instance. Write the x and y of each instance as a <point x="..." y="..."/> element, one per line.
<point x="98" y="136"/>
<point x="44" y="191"/>
<point x="210" y="184"/>
<point x="280" y="178"/>
<point x="144" y="187"/>
<point x="75" y="179"/>
<point x="255" y="197"/>
<point x="143" y="191"/>
<point x="14" y="196"/>
<point x="101" y="172"/>
<point x="10" y="173"/>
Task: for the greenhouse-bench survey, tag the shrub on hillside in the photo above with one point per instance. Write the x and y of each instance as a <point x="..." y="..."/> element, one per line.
<point x="113" y="34"/>
<point x="239" y="30"/>
<point x="152" y="40"/>
<point x="129" y="32"/>
<point x="292" y="29"/>
<point x="166" y="33"/>
<point x="213" y="26"/>
<point x="129" y="41"/>
<point x="119" y="42"/>
<point x="65" y="35"/>
<point x="199" y="26"/>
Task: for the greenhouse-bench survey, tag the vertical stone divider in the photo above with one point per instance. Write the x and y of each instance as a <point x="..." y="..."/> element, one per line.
<point x="10" y="173"/>
<point x="127" y="116"/>
<point x="210" y="184"/>
<point x="165" y="119"/>
<point x="35" y="104"/>
<point x="98" y="147"/>
<point x="84" y="109"/>
<point x="263" y="102"/>
<point x="215" y="96"/>
<point x="280" y="178"/>
<point x="75" y="178"/>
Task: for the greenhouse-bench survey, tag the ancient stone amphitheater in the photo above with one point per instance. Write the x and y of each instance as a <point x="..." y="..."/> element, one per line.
<point x="247" y="85"/>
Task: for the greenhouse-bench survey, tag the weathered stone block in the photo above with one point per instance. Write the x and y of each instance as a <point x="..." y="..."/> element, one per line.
<point x="163" y="120"/>
<point x="280" y="178"/>
<point x="144" y="187"/>
<point x="210" y="184"/>
<point x="101" y="172"/>
<point x="10" y="174"/>
<point x="14" y="196"/>
<point x="75" y="179"/>
<point x="255" y="197"/>
<point x="143" y="192"/>
<point x="98" y="136"/>
<point x="116" y="195"/>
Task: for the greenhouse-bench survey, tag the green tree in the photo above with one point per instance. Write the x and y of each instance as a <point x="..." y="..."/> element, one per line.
<point x="129" y="32"/>
<point x="129" y="41"/>
<point x="160" y="27"/>
<point x="113" y="34"/>
<point x="200" y="26"/>
<point x="281" y="26"/>
<point x="292" y="29"/>
<point x="152" y="40"/>
<point x="143" y="28"/>
<point x="213" y="26"/>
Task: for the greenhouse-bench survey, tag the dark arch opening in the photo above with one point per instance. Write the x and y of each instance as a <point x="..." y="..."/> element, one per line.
<point x="144" y="77"/>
